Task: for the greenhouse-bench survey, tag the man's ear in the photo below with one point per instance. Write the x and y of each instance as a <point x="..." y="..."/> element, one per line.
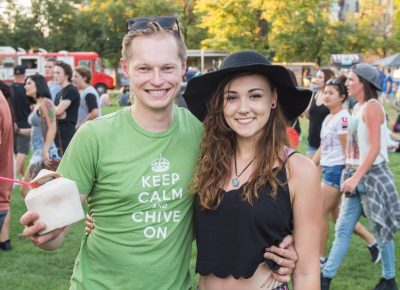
<point x="184" y="66"/>
<point x="124" y="67"/>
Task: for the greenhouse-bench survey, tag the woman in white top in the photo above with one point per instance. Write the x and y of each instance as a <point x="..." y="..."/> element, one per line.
<point x="367" y="181"/>
<point x="331" y="156"/>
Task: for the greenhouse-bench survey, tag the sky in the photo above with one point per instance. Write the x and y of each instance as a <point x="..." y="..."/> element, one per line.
<point x="23" y="2"/>
<point x="20" y="3"/>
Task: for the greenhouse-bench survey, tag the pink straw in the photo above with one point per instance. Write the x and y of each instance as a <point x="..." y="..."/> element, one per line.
<point x="18" y="181"/>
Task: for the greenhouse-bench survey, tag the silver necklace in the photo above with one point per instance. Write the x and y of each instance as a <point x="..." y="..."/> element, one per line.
<point x="235" y="181"/>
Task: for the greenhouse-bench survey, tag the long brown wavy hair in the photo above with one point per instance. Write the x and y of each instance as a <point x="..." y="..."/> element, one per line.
<point x="218" y="148"/>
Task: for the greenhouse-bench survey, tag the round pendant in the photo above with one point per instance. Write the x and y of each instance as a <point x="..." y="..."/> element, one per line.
<point x="235" y="182"/>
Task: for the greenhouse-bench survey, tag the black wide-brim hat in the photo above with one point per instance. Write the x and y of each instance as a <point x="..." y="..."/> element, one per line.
<point x="199" y="90"/>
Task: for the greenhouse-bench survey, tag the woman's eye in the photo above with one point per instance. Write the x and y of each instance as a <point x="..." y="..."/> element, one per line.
<point x="231" y="98"/>
<point x="255" y="96"/>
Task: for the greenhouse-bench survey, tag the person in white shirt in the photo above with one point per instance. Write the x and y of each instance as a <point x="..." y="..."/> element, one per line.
<point x="331" y="156"/>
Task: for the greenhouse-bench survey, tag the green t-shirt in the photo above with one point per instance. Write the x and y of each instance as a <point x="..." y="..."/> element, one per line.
<point x="137" y="185"/>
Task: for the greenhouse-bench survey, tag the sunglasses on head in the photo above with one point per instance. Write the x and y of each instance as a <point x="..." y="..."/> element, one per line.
<point x="140" y="23"/>
<point x="335" y="82"/>
<point x="338" y="83"/>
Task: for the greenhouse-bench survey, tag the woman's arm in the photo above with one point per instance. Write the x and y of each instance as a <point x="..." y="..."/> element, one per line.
<point x="317" y="156"/>
<point x="373" y="117"/>
<point x="47" y="111"/>
<point x="307" y="216"/>
<point x="306" y="113"/>
<point x="343" y="141"/>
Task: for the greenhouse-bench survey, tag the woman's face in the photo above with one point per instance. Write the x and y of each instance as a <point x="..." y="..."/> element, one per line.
<point x="355" y="87"/>
<point x="247" y="105"/>
<point x="320" y="80"/>
<point x="332" y="99"/>
<point x="30" y="88"/>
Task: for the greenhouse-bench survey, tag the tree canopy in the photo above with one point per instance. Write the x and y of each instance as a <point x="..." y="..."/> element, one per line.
<point x="291" y="30"/>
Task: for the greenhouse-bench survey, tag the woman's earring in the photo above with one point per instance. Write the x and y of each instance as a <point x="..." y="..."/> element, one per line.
<point x="273" y="106"/>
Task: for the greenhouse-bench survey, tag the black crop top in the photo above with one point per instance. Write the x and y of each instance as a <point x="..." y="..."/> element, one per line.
<point x="232" y="239"/>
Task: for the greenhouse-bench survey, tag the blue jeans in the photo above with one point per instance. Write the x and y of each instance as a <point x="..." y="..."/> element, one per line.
<point x="350" y="211"/>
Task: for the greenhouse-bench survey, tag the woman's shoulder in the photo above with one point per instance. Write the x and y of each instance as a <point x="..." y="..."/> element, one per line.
<point x="374" y="103"/>
<point x="374" y="108"/>
<point x="301" y="167"/>
<point x="46" y="104"/>
<point x="303" y="175"/>
<point x="344" y="113"/>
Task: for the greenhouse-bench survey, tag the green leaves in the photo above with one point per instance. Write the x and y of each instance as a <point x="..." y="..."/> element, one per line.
<point x="292" y="30"/>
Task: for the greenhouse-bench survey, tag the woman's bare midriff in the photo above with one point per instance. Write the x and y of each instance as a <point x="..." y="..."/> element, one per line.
<point x="261" y="279"/>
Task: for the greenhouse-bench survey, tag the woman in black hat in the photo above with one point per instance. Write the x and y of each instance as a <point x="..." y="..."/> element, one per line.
<point x="250" y="189"/>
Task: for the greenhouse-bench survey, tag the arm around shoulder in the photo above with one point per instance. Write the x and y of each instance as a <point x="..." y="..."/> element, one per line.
<point x="304" y="184"/>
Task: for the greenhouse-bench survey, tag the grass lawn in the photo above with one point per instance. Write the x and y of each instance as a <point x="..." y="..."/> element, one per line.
<point x="26" y="267"/>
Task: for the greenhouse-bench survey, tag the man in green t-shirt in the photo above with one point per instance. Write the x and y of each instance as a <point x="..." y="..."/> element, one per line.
<point x="134" y="168"/>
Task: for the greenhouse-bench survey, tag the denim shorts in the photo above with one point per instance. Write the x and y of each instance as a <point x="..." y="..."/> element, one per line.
<point x="3" y="214"/>
<point x="331" y="175"/>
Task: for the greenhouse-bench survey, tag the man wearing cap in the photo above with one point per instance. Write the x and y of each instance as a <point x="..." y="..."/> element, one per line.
<point x="22" y="108"/>
<point x="135" y="167"/>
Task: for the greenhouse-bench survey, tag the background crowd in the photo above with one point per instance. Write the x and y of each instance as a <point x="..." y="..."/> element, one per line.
<point x="47" y="110"/>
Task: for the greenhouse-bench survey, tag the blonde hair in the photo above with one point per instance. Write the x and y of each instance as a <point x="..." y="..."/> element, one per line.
<point x="153" y="28"/>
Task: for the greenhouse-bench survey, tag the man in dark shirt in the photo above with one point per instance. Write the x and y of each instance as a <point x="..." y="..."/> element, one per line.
<point x="67" y="105"/>
<point x="22" y="108"/>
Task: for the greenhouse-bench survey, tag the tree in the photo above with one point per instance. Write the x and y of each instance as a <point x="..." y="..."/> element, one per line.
<point x="18" y="28"/>
<point x="56" y="19"/>
<point x="375" y="29"/>
<point x="299" y="29"/>
<point x="233" y="24"/>
<point x="49" y="24"/>
<point x="189" y="20"/>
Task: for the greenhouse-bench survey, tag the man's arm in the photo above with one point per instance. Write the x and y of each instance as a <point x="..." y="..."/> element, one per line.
<point x="93" y="108"/>
<point x="62" y="107"/>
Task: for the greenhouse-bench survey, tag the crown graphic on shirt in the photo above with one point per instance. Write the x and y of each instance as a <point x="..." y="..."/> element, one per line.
<point x="160" y="164"/>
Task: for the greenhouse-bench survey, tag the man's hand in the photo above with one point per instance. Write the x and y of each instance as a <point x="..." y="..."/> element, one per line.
<point x="285" y="256"/>
<point x="89" y="224"/>
<point x="49" y="241"/>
